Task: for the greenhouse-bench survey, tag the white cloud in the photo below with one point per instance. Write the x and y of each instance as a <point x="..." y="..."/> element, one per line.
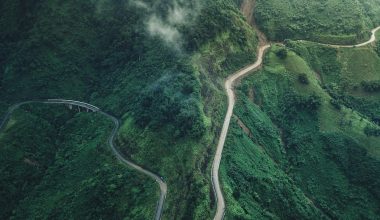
<point x="157" y="27"/>
<point x="141" y="4"/>
<point x="166" y="28"/>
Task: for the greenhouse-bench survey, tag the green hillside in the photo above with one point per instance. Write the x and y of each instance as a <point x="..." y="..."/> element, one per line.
<point x="58" y="165"/>
<point x="161" y="73"/>
<point x="297" y="151"/>
<point x="330" y="21"/>
<point x="303" y="141"/>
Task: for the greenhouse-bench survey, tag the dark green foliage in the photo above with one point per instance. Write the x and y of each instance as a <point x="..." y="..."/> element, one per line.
<point x="336" y="104"/>
<point x="282" y="53"/>
<point x="377" y="48"/>
<point x="372" y="9"/>
<point x="294" y="102"/>
<point x="323" y="60"/>
<point x="302" y="78"/>
<point x="367" y="107"/>
<point x="260" y="189"/>
<point x="354" y="161"/>
<point x="334" y="21"/>
<point x="332" y="174"/>
<point x="372" y="86"/>
<point x="102" y="52"/>
<point x="372" y="131"/>
<point x="61" y="167"/>
<point x="215" y="18"/>
<point x="25" y="158"/>
<point x="171" y="100"/>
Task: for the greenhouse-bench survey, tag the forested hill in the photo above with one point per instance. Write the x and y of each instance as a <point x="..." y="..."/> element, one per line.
<point x="160" y="67"/>
<point x="157" y="64"/>
<point x="328" y="21"/>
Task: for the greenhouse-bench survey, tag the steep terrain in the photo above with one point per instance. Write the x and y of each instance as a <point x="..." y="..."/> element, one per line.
<point x="330" y="21"/>
<point x="303" y="141"/>
<point x="57" y="164"/>
<point x="158" y="65"/>
<point x="306" y="128"/>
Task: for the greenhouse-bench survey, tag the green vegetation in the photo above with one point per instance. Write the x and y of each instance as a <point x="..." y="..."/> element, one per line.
<point x="290" y="154"/>
<point x="372" y="131"/>
<point x="57" y="164"/>
<point x="343" y="72"/>
<point x="282" y="53"/>
<point x="303" y="143"/>
<point x="302" y="78"/>
<point x="330" y="21"/>
<point x="371" y="86"/>
<point x="377" y="49"/>
<point x="162" y="74"/>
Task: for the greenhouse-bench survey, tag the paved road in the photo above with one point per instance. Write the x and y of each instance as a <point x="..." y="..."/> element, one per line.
<point x="111" y="140"/>
<point x="371" y="40"/>
<point x="229" y="83"/>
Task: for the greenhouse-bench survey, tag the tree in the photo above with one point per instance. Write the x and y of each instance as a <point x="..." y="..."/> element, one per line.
<point x="302" y="78"/>
<point x="371" y="86"/>
<point x="372" y="131"/>
<point x="282" y="53"/>
<point x="336" y="104"/>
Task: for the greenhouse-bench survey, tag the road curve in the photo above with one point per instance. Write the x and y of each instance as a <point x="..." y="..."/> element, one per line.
<point x="111" y="140"/>
<point x="228" y="85"/>
<point x="371" y="40"/>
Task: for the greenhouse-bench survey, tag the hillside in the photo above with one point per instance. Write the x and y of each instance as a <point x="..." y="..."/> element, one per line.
<point x="330" y="21"/>
<point x="160" y="72"/>
<point x="56" y="164"/>
<point x="303" y="142"/>
<point x="301" y="145"/>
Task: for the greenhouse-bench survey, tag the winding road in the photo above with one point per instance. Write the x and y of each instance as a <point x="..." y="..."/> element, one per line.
<point x="111" y="140"/>
<point x="228" y="85"/>
<point x="371" y="40"/>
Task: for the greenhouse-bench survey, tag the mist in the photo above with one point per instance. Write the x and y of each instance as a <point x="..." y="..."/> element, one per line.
<point x="165" y="24"/>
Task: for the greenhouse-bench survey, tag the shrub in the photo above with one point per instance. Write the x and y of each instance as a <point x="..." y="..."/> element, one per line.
<point x="377" y="48"/>
<point x="336" y="104"/>
<point x="371" y="86"/>
<point x="313" y="102"/>
<point x="372" y="131"/>
<point x="282" y="53"/>
<point x="302" y="78"/>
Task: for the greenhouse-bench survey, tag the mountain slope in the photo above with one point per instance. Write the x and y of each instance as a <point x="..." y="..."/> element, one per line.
<point x="294" y="144"/>
<point x="331" y="21"/>
<point x="57" y="164"/>
<point x="159" y="66"/>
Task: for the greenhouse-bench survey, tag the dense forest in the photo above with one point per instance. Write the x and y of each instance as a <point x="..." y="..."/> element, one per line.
<point x="153" y="64"/>
<point x="303" y="142"/>
<point x="56" y="164"/>
<point x="329" y="21"/>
